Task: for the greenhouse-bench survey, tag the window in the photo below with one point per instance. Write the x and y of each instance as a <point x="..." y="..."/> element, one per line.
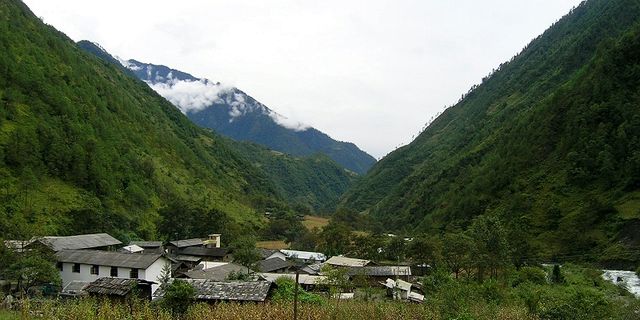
<point x="114" y="271"/>
<point x="95" y="269"/>
<point x="76" y="268"/>
<point x="133" y="274"/>
<point x="60" y="266"/>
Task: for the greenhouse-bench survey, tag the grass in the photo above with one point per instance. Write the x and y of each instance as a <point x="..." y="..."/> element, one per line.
<point x="272" y="244"/>
<point x="312" y="222"/>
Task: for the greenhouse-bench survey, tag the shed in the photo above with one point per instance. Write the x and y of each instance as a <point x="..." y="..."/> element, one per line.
<point x="120" y="288"/>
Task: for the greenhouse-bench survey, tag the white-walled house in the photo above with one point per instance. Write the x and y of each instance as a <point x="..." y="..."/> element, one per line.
<point x="89" y="265"/>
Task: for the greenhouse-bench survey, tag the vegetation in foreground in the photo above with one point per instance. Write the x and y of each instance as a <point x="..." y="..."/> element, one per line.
<point x="570" y="292"/>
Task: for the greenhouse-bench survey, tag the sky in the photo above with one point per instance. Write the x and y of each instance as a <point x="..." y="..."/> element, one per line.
<point x="372" y="72"/>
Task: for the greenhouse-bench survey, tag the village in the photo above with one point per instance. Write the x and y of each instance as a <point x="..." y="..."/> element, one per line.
<point x="99" y="265"/>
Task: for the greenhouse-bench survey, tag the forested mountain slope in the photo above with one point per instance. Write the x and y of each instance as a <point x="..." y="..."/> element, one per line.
<point x="233" y="113"/>
<point x="85" y="147"/>
<point x="311" y="183"/>
<point x="549" y="142"/>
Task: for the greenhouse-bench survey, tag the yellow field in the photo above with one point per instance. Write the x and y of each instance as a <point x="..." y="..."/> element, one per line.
<point x="315" y="222"/>
<point x="272" y="245"/>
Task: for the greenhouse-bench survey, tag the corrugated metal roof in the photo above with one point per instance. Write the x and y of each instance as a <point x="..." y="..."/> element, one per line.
<point x="184" y="257"/>
<point x="226" y="291"/>
<point x="381" y="271"/>
<point x="272" y="264"/>
<point x="219" y="273"/>
<point x="304" y="255"/>
<point x="83" y="241"/>
<point x="187" y="243"/>
<point x="115" y="286"/>
<point x="108" y="258"/>
<point x="347" y="262"/>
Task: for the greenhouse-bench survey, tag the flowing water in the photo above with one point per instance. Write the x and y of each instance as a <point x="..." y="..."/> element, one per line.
<point x="628" y="278"/>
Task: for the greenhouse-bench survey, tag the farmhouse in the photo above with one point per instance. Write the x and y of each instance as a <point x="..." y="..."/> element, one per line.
<point x="95" y="241"/>
<point x="339" y="261"/>
<point x="304" y="256"/>
<point x="215" y="291"/>
<point x="118" y="288"/>
<point x="89" y="265"/>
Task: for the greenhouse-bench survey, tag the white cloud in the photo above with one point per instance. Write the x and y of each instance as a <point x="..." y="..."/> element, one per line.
<point x="286" y="122"/>
<point x="190" y="95"/>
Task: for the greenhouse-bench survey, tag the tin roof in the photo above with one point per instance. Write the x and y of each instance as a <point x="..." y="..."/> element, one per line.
<point x="187" y="242"/>
<point x="347" y="262"/>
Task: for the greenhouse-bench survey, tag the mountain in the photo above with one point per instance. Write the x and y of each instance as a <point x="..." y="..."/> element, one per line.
<point x="549" y="142"/>
<point x="311" y="183"/>
<point x="231" y="112"/>
<point x="85" y="147"/>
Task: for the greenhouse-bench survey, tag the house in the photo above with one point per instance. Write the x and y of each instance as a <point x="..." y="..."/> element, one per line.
<point x="376" y="274"/>
<point x="90" y="265"/>
<point x="269" y="253"/>
<point x="216" y="291"/>
<point x="312" y="269"/>
<point x="204" y="253"/>
<point x="339" y="261"/>
<point x="149" y="246"/>
<point x="304" y="256"/>
<point x="275" y="265"/>
<point x="119" y="288"/>
<point x="308" y="282"/>
<point x="173" y="246"/>
<point x="402" y="290"/>
<point x="218" y="273"/>
<point x="95" y="241"/>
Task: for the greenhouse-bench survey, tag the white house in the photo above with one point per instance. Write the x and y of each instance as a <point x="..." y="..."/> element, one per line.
<point x="89" y="265"/>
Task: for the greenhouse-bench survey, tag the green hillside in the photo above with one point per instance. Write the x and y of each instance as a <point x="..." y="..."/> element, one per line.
<point x="85" y="147"/>
<point x="549" y="143"/>
<point x="308" y="184"/>
<point x="312" y="183"/>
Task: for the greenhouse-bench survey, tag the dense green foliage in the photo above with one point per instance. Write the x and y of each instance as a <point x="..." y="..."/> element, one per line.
<point x="549" y="143"/>
<point x="309" y="184"/>
<point x="85" y="147"/>
<point x="178" y="296"/>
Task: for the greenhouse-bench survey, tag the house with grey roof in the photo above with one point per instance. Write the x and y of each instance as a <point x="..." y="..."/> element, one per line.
<point x="218" y="273"/>
<point x="217" y="291"/>
<point x="274" y="265"/>
<point x="149" y="246"/>
<point x="173" y="246"/>
<point x="90" y="265"/>
<point x="377" y="274"/>
<point x="94" y="241"/>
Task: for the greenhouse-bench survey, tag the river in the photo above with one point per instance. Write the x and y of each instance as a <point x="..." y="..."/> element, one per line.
<point x="629" y="278"/>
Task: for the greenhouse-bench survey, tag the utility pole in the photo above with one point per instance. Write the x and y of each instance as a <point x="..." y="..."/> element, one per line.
<point x="295" y="296"/>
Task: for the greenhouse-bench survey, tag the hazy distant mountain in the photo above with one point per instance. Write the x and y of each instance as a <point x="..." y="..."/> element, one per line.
<point x="231" y="112"/>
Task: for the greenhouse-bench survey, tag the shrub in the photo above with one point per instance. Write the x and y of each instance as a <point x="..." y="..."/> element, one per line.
<point x="532" y="275"/>
<point x="178" y="296"/>
<point x="285" y="291"/>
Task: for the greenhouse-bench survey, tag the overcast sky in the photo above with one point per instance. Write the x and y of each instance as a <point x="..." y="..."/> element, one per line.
<point x="372" y="72"/>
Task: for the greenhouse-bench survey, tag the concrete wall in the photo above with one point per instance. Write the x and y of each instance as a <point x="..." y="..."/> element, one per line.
<point x="68" y="275"/>
<point x="154" y="272"/>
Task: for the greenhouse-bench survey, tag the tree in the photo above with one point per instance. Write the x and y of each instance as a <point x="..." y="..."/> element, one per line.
<point x="489" y="249"/>
<point x="456" y="251"/>
<point x="32" y="268"/>
<point x="335" y="238"/>
<point x="425" y="250"/>
<point x="245" y="253"/>
<point x="396" y="249"/>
